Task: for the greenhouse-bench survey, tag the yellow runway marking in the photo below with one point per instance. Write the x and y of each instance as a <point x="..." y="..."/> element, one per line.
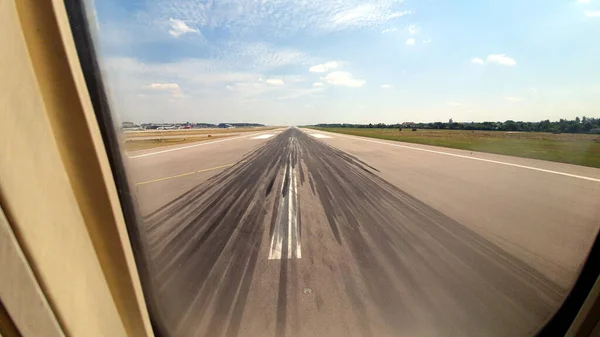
<point x="182" y="175"/>
<point x="214" y="168"/>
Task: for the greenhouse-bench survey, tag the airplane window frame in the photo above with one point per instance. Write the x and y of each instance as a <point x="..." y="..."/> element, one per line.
<point x="56" y="165"/>
<point x="577" y="316"/>
<point x="78" y="20"/>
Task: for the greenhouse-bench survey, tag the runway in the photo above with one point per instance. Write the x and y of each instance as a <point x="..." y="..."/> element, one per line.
<point x="301" y="233"/>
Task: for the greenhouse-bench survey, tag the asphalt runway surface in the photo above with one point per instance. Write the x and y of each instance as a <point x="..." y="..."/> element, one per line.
<point x="302" y="233"/>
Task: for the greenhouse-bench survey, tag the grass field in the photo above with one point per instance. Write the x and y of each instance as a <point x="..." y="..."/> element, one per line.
<point x="142" y="144"/>
<point x="578" y="149"/>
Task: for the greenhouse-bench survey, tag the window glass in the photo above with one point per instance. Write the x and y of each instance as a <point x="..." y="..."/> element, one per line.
<point x="358" y="168"/>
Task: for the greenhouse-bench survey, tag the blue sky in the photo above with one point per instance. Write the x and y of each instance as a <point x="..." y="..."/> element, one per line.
<point x="317" y="61"/>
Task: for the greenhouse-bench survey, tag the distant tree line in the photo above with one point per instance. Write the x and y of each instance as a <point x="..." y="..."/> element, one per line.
<point x="577" y="125"/>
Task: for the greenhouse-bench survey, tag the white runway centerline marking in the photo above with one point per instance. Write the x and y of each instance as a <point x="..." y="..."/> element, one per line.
<point x="295" y="226"/>
<point x="265" y="136"/>
<point x="285" y="240"/>
<point x="318" y="135"/>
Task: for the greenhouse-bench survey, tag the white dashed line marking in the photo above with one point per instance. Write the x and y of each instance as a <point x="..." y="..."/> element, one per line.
<point x="265" y="136"/>
<point x="318" y="135"/>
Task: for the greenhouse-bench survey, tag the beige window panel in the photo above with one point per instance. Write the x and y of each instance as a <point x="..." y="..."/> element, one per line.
<point x="56" y="187"/>
<point x="20" y="291"/>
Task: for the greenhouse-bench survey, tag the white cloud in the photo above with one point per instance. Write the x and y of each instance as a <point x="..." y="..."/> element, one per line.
<point x="353" y="14"/>
<point x="453" y="104"/>
<point x="533" y="92"/>
<point x="200" y="72"/>
<point x="344" y="79"/>
<point x="324" y="67"/>
<point x="412" y="29"/>
<point x="398" y="15"/>
<point x="162" y="86"/>
<point x="260" y="55"/>
<point x="592" y="14"/>
<point x="501" y="59"/>
<point x="172" y="88"/>
<point x="201" y="78"/>
<point x="178" y="28"/>
<point x="276" y="18"/>
<point x="389" y="30"/>
<point x="318" y="84"/>
<point x="364" y="15"/>
<point x="584" y="1"/>
<point x="513" y="98"/>
<point x="427" y="41"/>
<point x="410" y="42"/>
<point x="274" y="81"/>
<point x="386" y="86"/>
<point x="222" y="92"/>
